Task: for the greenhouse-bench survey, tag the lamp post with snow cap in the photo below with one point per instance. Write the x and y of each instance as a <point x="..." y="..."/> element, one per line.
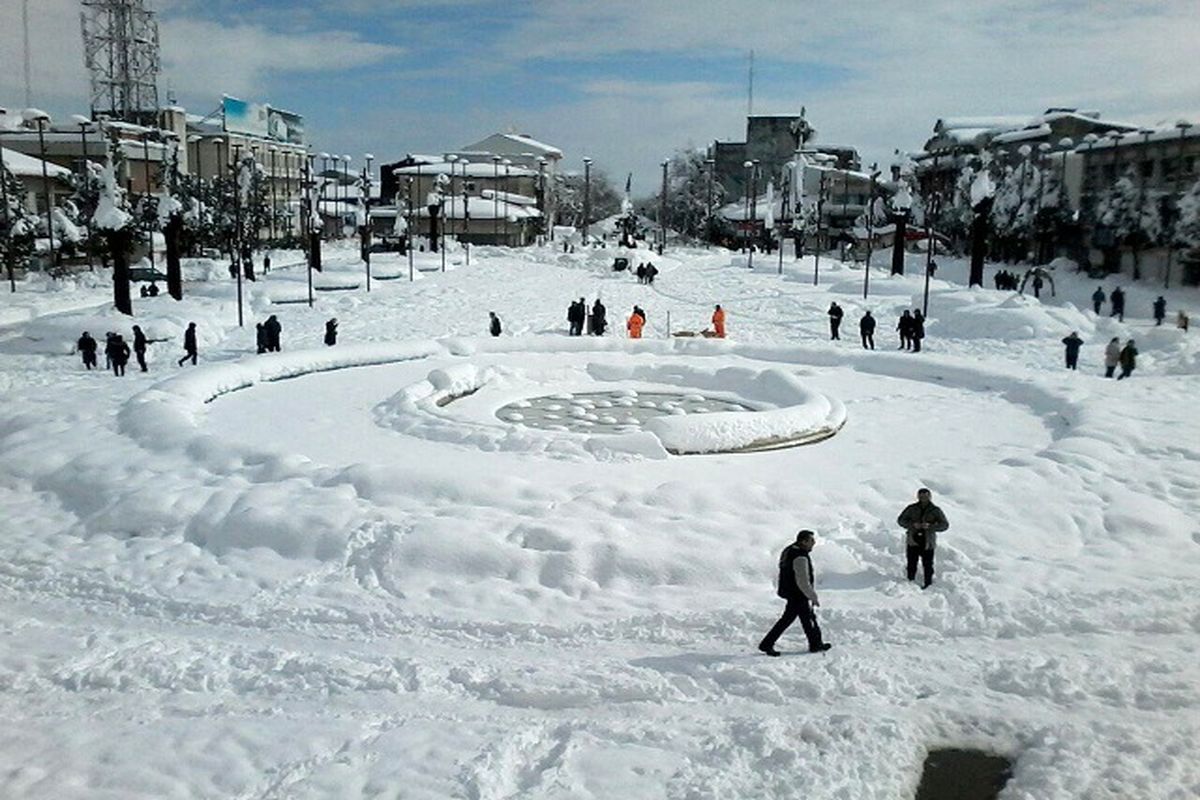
<point x="42" y="119"/>
<point x="870" y="215"/>
<point x="364" y="229"/>
<point x="507" y="192"/>
<point x="345" y="180"/>
<point x="587" y="196"/>
<point x="1182" y="125"/>
<point x="273" y="150"/>
<point x="541" y="162"/>
<point x="7" y="229"/>
<point x="451" y="159"/>
<point x="83" y="123"/>
<point x="709" y="164"/>
<point x="496" y="199"/>
<point x="662" y="209"/>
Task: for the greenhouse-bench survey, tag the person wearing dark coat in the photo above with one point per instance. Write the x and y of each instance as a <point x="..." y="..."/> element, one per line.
<point x="108" y="342"/>
<point x="796" y="586"/>
<point x="922" y="522"/>
<point x="835" y="320"/>
<point x="866" y="329"/>
<point x="272" y="329"/>
<point x="260" y="338"/>
<point x="1073" y="343"/>
<point x="904" y="326"/>
<point x="1098" y="299"/>
<point x="576" y="316"/>
<point x="118" y="354"/>
<point x="331" y="332"/>
<point x="1160" y="310"/>
<point x="152" y="291"/>
<point x="189" y="345"/>
<point x="918" y="330"/>
<point x="651" y="271"/>
<point x="1128" y="359"/>
<point x="641" y="273"/>
<point x="139" y="347"/>
<point x="1118" y="304"/>
<point x="599" y="318"/>
<point x="494" y="327"/>
<point x="87" y="348"/>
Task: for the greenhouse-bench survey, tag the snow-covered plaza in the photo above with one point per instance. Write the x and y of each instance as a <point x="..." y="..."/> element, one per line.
<point x="372" y="570"/>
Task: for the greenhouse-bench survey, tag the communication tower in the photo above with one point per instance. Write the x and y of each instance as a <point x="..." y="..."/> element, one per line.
<point x="120" y="50"/>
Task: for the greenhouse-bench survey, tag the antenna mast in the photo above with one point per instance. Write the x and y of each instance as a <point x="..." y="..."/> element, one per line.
<point x="750" y="98"/>
<point x="120" y="50"/>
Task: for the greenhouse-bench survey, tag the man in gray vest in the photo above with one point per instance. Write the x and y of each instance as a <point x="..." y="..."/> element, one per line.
<point x="922" y="521"/>
<point x="796" y="586"/>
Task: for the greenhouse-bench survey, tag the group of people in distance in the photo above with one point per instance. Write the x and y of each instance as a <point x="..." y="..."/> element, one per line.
<point x="922" y="521"/>
<point x="646" y="272"/>
<point x="578" y="318"/>
<point x="116" y="350"/>
<point x="911" y="327"/>
<point x="1114" y="355"/>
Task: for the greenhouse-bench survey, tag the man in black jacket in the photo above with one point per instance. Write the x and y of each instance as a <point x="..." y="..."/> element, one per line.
<point x="796" y="587"/>
<point x="922" y="521"/>
<point x="835" y="320"/>
<point x="866" y="328"/>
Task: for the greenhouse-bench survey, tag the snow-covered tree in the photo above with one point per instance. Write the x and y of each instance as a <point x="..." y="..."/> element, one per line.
<point x="569" y="191"/>
<point x="688" y="207"/>
<point x="18" y="226"/>
<point x="1187" y="220"/>
<point x="113" y="221"/>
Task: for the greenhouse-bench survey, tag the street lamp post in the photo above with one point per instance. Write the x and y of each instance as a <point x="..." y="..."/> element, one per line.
<point x="542" y="196"/>
<point x="662" y="210"/>
<point x="344" y="180"/>
<point x="237" y="226"/>
<point x="466" y="212"/>
<point x="587" y="196"/>
<point x="870" y="228"/>
<point x="749" y="166"/>
<point x="1183" y="125"/>
<point x="451" y="159"/>
<point x="42" y="119"/>
<point x="507" y="191"/>
<point x="365" y="231"/>
<point x="822" y="192"/>
<point x="83" y="123"/>
<point x="496" y="199"/>
<point x="273" y="150"/>
<point x="789" y="175"/>
<point x="12" y="280"/>
<point x="408" y="233"/>
<point x="709" y="164"/>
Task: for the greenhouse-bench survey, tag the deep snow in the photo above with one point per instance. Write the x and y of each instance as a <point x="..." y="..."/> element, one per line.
<point x="298" y="575"/>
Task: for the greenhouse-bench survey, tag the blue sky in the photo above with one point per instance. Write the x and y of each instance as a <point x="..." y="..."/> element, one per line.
<point x="628" y="82"/>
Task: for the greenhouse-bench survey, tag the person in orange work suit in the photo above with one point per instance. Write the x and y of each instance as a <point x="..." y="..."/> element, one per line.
<point x="635" y="323"/>
<point x="718" y="321"/>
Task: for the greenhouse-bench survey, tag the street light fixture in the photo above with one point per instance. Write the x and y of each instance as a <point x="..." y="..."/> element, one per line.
<point x="587" y="196"/>
<point x="42" y="119"/>
<point x="662" y="210"/>
<point x="466" y="215"/>
<point x="273" y="150"/>
<point x="83" y="123"/>
<point x="496" y="199"/>
<point x="451" y="159"/>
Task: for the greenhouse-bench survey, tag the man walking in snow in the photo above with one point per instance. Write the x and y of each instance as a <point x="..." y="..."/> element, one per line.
<point x="494" y="326"/>
<point x="1160" y="310"/>
<point x="599" y="318"/>
<point x="1128" y="359"/>
<point x="1098" y="299"/>
<point x="1112" y="356"/>
<point x="922" y="521"/>
<point x="272" y="329"/>
<point x="189" y="345"/>
<point x="718" y="321"/>
<point x="1073" y="343"/>
<point x="866" y="329"/>
<point x="796" y="586"/>
<point x="1118" y="304"/>
<point x="87" y="348"/>
<point x="918" y="330"/>
<point x="835" y="320"/>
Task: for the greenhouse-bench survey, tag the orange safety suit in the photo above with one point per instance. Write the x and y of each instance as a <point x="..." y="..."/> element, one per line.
<point x="634" y="326"/>
<point x="718" y="321"/>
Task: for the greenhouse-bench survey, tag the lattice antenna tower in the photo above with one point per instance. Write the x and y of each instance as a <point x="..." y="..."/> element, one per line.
<point x="120" y="50"/>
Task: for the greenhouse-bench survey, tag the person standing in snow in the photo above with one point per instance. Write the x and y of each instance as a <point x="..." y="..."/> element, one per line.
<point x="87" y="348"/>
<point x="1181" y="321"/>
<point x="118" y="354"/>
<point x="651" y="271"/>
<point x="641" y="273"/>
<point x="922" y="521"/>
<point x="835" y="320"/>
<point x="494" y="327"/>
<point x="189" y="345"/>
<point x="260" y="338"/>
<point x="1128" y="359"/>
<point x="1098" y="299"/>
<point x="1112" y="356"/>
<point x="796" y="586"/>
<point x="599" y="318"/>
<point x="273" y="329"/>
<point x="866" y="329"/>
<point x="718" y="321"/>
<point x="331" y="332"/>
<point x="139" y="347"/>
<point x="904" y="327"/>
<point x="108" y="349"/>
<point x="918" y="330"/>
<point x="1160" y="310"/>
<point x="1118" y="304"/>
<point x="1073" y="343"/>
<point x="635" y="323"/>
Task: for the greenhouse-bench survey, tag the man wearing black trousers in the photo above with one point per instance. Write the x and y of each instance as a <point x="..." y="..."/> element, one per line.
<point x="922" y="521"/>
<point x="796" y="586"/>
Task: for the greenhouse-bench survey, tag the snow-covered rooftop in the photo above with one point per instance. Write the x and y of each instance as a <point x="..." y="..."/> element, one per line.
<point x="473" y="170"/>
<point x="22" y="165"/>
